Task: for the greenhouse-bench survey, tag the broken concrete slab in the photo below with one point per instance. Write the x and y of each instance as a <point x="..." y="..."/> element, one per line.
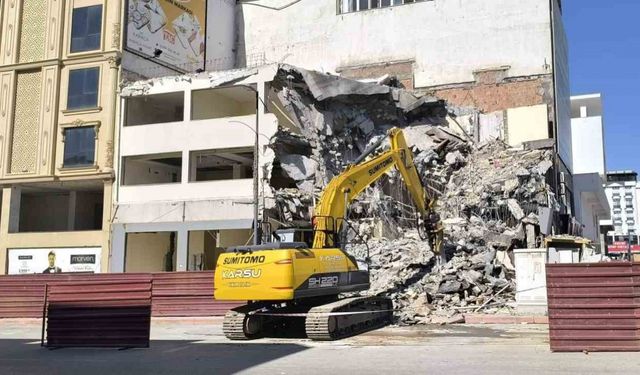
<point x="298" y="167"/>
<point x="324" y="86"/>
<point x="515" y="209"/>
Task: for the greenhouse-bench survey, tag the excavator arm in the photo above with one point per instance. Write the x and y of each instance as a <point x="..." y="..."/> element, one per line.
<point x="344" y="188"/>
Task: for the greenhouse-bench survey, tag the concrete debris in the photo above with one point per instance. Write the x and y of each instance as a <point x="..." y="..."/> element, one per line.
<point x="489" y="196"/>
<point x="515" y="209"/>
<point x="300" y="169"/>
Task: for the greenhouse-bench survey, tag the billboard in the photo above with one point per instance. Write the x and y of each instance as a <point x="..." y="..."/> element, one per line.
<point x="622" y="247"/>
<point x="171" y="31"/>
<point x="54" y="260"/>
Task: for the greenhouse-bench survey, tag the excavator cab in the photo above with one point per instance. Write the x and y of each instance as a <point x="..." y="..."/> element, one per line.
<point x="303" y="235"/>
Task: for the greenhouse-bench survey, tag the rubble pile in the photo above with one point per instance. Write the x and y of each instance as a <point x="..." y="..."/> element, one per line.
<point x="484" y="219"/>
<point x="335" y="120"/>
<point x="488" y="196"/>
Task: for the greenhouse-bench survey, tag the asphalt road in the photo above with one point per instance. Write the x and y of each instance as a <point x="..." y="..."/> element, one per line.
<point x="197" y="347"/>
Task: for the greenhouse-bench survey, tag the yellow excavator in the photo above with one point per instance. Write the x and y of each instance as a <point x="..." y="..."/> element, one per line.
<point x="291" y="280"/>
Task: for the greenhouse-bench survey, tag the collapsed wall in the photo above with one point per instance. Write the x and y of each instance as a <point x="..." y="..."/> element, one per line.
<point x="488" y="195"/>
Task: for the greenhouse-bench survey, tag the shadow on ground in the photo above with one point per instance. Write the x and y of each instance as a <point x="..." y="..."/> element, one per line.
<point x="163" y="357"/>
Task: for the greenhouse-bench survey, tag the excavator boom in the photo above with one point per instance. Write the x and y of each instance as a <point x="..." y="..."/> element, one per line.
<point x="344" y="188"/>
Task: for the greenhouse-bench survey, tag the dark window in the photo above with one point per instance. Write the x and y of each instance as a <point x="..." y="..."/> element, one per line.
<point x="79" y="146"/>
<point x="83" y="88"/>
<point x="86" y="28"/>
<point x="346" y="6"/>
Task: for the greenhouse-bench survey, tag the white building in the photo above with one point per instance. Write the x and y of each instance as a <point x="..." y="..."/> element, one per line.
<point x="184" y="186"/>
<point x="507" y="59"/>
<point x="622" y="192"/>
<point x="589" y="164"/>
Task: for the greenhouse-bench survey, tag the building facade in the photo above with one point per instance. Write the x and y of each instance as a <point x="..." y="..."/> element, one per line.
<point x="589" y="165"/>
<point x="58" y="78"/>
<point x="186" y="192"/>
<point x="622" y="192"/>
<point x="506" y="61"/>
<point x="61" y="65"/>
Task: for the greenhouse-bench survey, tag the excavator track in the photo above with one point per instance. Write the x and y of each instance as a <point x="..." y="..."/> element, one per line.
<point x="348" y="317"/>
<point x="324" y="322"/>
<point x="238" y="324"/>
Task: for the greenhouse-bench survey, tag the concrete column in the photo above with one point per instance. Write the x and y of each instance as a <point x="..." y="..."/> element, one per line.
<point x="237" y="171"/>
<point x="4" y="227"/>
<point x="182" y="249"/>
<point x="187" y="105"/>
<point x="107" y="209"/>
<point x="583" y="111"/>
<point x="118" y="248"/>
<point x="71" y="217"/>
<point x="185" y="167"/>
<point x="15" y="198"/>
<point x="107" y="134"/>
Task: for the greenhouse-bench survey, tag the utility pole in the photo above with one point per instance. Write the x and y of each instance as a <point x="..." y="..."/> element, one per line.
<point x="256" y="164"/>
<point x="256" y="152"/>
<point x="629" y="246"/>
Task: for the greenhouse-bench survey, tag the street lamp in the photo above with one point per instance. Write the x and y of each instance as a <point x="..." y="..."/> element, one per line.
<point x="256" y="166"/>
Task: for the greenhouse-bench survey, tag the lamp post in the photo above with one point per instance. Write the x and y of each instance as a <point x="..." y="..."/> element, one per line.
<point x="256" y="164"/>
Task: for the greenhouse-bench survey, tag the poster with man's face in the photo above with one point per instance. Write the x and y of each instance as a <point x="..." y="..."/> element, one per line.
<point x="54" y="260"/>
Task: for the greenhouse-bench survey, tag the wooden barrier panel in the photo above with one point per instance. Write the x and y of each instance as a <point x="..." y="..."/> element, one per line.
<point x="99" y="313"/>
<point x="175" y="294"/>
<point x="594" y="307"/>
<point x="178" y="294"/>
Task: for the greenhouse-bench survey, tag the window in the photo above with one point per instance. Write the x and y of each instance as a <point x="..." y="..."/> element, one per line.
<point x="347" y="6"/>
<point x="221" y="164"/>
<point x="60" y="207"/>
<point x="222" y="102"/>
<point x="83" y="88"/>
<point x="79" y="146"/>
<point x="155" y="109"/>
<point x="152" y="169"/>
<point x="86" y="28"/>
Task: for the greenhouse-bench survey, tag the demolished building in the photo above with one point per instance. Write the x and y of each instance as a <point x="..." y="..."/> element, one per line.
<point x="491" y="197"/>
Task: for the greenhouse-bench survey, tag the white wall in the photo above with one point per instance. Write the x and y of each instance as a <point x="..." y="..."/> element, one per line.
<point x="587" y="139"/>
<point x="592" y="204"/>
<point x="220" y="34"/>
<point x="448" y="39"/>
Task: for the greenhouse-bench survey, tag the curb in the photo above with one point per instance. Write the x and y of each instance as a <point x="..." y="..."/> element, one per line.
<point x="504" y="319"/>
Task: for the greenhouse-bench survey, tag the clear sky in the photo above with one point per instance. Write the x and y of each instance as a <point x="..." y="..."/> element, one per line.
<point x="604" y="56"/>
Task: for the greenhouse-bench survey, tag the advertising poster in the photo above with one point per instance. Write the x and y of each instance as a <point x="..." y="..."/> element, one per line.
<point x="174" y="27"/>
<point x="622" y="247"/>
<point x="54" y="260"/>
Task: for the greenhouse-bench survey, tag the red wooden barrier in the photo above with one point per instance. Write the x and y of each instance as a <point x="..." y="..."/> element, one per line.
<point x="594" y="307"/>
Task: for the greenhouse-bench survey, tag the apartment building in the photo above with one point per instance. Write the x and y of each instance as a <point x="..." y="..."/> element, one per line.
<point x="58" y="77"/>
<point x="61" y="63"/>
<point x="589" y="164"/>
<point x="185" y="161"/>
<point x="622" y="191"/>
<point x="505" y="61"/>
